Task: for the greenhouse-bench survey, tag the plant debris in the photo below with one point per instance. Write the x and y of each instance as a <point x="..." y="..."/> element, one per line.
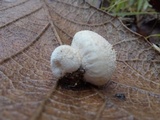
<point x="120" y="96"/>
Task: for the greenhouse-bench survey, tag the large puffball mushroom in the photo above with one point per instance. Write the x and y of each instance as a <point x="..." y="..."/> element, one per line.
<point x="98" y="56"/>
<point x="64" y="59"/>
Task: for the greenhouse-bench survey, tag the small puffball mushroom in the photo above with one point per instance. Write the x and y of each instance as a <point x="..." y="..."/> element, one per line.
<point x="98" y="56"/>
<point x="64" y="59"/>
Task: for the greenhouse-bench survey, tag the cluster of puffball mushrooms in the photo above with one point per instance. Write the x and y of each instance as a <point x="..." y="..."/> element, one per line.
<point x="89" y="52"/>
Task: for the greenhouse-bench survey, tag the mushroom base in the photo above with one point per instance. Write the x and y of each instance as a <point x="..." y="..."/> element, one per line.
<point x="74" y="81"/>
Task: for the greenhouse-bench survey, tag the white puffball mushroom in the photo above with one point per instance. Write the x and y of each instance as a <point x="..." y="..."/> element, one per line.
<point x="64" y="59"/>
<point x="98" y="56"/>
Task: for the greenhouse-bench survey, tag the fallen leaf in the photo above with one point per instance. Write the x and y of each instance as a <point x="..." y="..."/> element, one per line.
<point x="31" y="30"/>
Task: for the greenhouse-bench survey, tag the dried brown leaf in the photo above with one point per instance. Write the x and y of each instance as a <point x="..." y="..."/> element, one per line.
<point x="31" y="29"/>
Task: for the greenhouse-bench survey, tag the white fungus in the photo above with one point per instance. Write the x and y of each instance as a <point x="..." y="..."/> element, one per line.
<point x="91" y="52"/>
<point x="64" y="59"/>
<point x="98" y="57"/>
